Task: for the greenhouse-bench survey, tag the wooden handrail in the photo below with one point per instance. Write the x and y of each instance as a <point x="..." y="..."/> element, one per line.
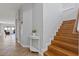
<point x="77" y="21"/>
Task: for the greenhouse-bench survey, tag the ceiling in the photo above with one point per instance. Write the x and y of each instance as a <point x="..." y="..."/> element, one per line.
<point x="8" y="12"/>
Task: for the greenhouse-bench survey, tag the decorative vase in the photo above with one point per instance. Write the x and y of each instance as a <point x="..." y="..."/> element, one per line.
<point x="33" y="34"/>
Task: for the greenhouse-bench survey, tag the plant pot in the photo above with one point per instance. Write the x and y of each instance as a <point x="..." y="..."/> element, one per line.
<point x="33" y="34"/>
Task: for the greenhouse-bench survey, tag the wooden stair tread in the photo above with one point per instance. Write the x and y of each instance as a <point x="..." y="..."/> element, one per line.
<point x="70" y="21"/>
<point x="74" y="34"/>
<point x="49" y="53"/>
<point x="66" y="37"/>
<point x="66" y="31"/>
<point x="66" y="28"/>
<point x="74" y="37"/>
<point x="74" y="42"/>
<point x="61" y="50"/>
<point x="71" y="34"/>
<point x="64" y="43"/>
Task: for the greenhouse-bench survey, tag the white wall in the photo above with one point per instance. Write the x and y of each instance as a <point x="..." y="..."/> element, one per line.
<point x="7" y="12"/>
<point x="46" y="18"/>
<point x="24" y="30"/>
<point x="7" y="17"/>
<point x="17" y="23"/>
<point x="1" y="31"/>
<point x="26" y="27"/>
<point x="52" y="17"/>
<point x="69" y="11"/>
<point x="37" y="21"/>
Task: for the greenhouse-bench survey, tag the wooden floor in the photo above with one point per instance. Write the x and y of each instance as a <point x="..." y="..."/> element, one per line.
<point x="9" y="47"/>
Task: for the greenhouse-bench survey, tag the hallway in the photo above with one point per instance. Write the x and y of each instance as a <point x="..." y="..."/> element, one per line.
<point x="9" y="47"/>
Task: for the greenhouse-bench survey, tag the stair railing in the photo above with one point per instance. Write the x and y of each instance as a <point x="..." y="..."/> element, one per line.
<point x="76" y="27"/>
<point x="77" y="22"/>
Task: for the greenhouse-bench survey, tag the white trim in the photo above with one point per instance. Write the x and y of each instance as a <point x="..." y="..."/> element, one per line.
<point x="46" y="48"/>
<point x="68" y="9"/>
<point x="27" y="46"/>
<point x="43" y="50"/>
<point x="69" y="19"/>
<point x="74" y="26"/>
<point x="78" y="27"/>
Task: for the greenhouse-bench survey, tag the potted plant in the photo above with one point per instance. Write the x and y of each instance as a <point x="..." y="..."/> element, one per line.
<point x="33" y="32"/>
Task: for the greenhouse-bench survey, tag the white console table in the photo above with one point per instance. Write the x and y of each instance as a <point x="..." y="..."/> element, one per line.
<point x="34" y="43"/>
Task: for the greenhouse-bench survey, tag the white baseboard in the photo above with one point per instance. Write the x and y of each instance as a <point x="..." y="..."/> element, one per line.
<point x="42" y="52"/>
<point x="45" y="49"/>
<point x="23" y="44"/>
<point x="26" y="46"/>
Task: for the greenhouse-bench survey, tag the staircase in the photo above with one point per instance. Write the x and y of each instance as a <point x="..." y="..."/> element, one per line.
<point x="65" y="42"/>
